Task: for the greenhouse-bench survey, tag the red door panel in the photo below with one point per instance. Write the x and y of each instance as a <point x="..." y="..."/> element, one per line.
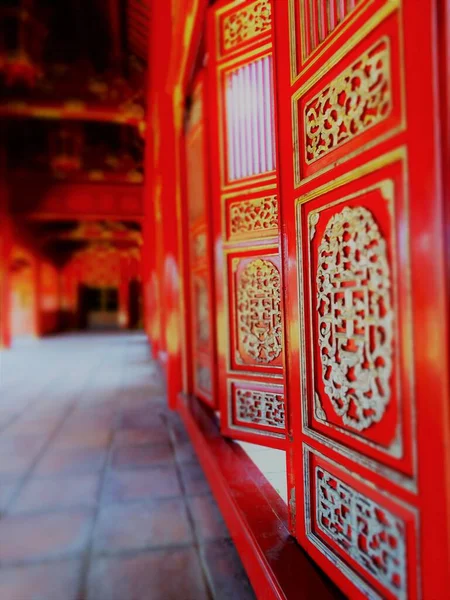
<point x="246" y="233"/>
<point x="366" y="328"/>
<point x="200" y="253"/>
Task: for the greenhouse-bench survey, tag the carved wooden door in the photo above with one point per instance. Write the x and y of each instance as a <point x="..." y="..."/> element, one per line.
<point x="245" y="203"/>
<point x="362" y="222"/>
<point x="200" y="252"/>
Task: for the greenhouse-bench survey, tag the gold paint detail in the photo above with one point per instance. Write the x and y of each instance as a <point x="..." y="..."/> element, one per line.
<point x="260" y="408"/>
<point x="259" y="311"/>
<point x="359" y="98"/>
<point x="257" y="215"/>
<point x="313" y="220"/>
<point x="355" y="318"/>
<point x="247" y="23"/>
<point x="364" y="530"/>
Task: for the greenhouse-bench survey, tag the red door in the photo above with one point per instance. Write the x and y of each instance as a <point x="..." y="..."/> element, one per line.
<point x="246" y="236"/>
<point x="366" y="323"/>
<point x="201" y="282"/>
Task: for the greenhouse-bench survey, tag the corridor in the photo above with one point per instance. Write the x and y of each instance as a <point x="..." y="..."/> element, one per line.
<point x="101" y="494"/>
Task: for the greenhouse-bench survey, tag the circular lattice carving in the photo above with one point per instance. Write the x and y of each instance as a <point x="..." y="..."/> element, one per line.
<point x="258" y="307"/>
<point x="355" y="317"/>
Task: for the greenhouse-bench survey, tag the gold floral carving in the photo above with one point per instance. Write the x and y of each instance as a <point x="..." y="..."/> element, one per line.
<point x="258" y="215"/>
<point x="259" y="311"/>
<point x="355" y="317"/>
<point x="246" y="23"/>
<point x="359" y="98"/>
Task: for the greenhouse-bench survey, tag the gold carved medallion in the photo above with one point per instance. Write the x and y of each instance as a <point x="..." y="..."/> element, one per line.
<point x="259" y="311"/>
<point x="355" y="317"/>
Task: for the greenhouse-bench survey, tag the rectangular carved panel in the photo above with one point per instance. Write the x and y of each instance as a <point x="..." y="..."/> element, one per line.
<point x="255" y="313"/>
<point x="252" y="217"/>
<point x="357" y="101"/>
<point x="357" y="395"/>
<point x="369" y="535"/>
<point x="257" y="407"/>
<point x="245" y="25"/>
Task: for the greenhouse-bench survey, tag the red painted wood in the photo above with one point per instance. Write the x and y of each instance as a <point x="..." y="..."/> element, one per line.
<point x="42" y="198"/>
<point x="238" y="371"/>
<point x="199" y="250"/>
<point x="415" y="244"/>
<point x="254" y="513"/>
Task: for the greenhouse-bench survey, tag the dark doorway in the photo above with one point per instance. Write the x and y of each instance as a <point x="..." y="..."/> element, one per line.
<point x="98" y="307"/>
<point x="134" y="304"/>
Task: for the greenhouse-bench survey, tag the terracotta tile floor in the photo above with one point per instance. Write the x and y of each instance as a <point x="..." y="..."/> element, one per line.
<point x="101" y="495"/>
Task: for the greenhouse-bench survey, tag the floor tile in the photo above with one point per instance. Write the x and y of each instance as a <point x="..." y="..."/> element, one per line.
<point x="194" y="480"/>
<point x="208" y="521"/>
<point x="67" y="461"/>
<point x="157" y="482"/>
<point x="142" y="456"/>
<point x="142" y="538"/>
<point x="18" y="452"/>
<point x="185" y="452"/>
<point x="226" y="575"/>
<point x="7" y="491"/>
<point x="157" y="575"/>
<point x="140" y="526"/>
<point x="41" y="536"/>
<point x="80" y="437"/>
<point x="138" y="437"/>
<point x="52" y="581"/>
<point x="60" y="492"/>
<point x="138" y="419"/>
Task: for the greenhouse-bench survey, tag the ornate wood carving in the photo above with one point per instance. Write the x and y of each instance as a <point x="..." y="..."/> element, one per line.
<point x="355" y="317"/>
<point x="260" y="408"/>
<point x="357" y="99"/>
<point x="249" y="22"/>
<point x="363" y="529"/>
<point x="253" y="216"/>
<point x="258" y="312"/>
